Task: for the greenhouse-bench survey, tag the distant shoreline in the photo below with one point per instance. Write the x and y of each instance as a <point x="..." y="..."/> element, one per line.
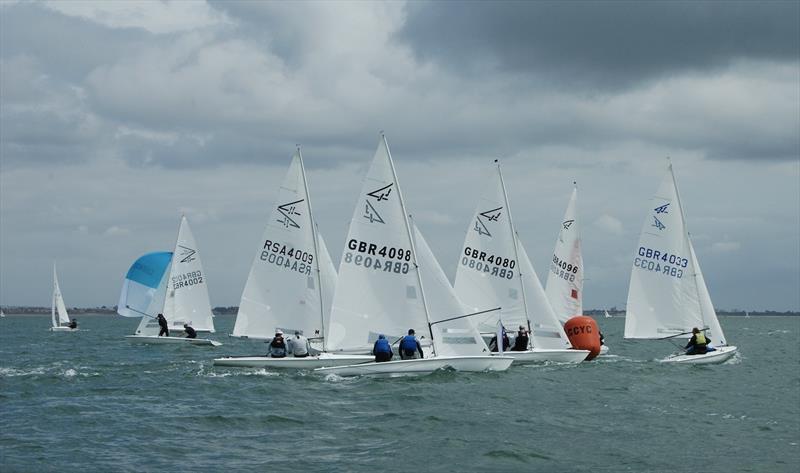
<point x="111" y="311"/>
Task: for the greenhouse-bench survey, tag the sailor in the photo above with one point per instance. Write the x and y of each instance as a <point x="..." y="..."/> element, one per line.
<point x="73" y="324"/>
<point x="162" y="322"/>
<point x="698" y="344"/>
<point x="382" y="350"/>
<point x="299" y="345"/>
<point x="521" y="342"/>
<point x="190" y="332"/>
<point x="277" y="347"/>
<point x="409" y="345"/>
<point x="506" y="342"/>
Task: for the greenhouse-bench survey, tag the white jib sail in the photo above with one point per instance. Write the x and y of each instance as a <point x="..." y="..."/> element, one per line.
<point x="488" y="270"/>
<point x="564" y="287"/>
<point x="457" y="337"/>
<point x="546" y="329"/>
<point x="378" y="290"/>
<point x="187" y="293"/>
<point x="283" y="288"/>
<point x="59" y="310"/>
<point x="667" y="294"/>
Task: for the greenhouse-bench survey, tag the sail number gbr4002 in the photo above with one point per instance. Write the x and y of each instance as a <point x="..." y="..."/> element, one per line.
<point x="494" y="265"/>
<point x="287" y="257"/>
<point x="380" y="258"/>
<point x="660" y="262"/>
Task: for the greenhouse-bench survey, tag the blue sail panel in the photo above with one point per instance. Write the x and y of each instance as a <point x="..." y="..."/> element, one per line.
<point x="149" y="269"/>
<point x="145" y="285"/>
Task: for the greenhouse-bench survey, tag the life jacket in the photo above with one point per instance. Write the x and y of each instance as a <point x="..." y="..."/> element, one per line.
<point x="382" y="346"/>
<point x="700" y="339"/>
<point x="409" y="343"/>
<point x="278" y="342"/>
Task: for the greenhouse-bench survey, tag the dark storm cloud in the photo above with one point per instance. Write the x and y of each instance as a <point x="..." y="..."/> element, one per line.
<point x="601" y="45"/>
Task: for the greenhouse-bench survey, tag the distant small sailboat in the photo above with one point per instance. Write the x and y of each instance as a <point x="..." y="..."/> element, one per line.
<point x="2" y="314"/>
<point x="172" y="284"/>
<point x="58" y="311"/>
<point x="746" y="314"/>
<point x="606" y="314"/>
<point x="667" y="296"/>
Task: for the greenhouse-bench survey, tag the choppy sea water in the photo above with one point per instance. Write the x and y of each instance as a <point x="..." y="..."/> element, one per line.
<point x="90" y="401"/>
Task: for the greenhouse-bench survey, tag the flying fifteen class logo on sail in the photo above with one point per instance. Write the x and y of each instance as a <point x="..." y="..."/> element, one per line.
<point x="379" y="195"/>
<point x="485" y="217"/>
<point x="288" y="211"/>
<point x="662" y="209"/>
<point x="187" y="254"/>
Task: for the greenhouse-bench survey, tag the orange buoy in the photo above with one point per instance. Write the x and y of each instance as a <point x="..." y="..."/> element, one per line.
<point x="584" y="334"/>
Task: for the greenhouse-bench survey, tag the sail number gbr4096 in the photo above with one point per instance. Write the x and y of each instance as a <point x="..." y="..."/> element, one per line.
<point x="380" y="258"/>
<point x="494" y="265"/>
<point x="660" y="262"/>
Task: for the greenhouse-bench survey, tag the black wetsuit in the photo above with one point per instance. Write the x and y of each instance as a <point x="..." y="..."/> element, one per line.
<point x="521" y="342"/>
<point x="190" y="332"/>
<point x="162" y="322"/>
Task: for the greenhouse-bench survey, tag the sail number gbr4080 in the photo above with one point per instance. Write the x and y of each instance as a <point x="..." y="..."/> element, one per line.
<point x="380" y="258"/>
<point x="287" y="257"/>
<point x="660" y="262"/>
<point x="494" y="265"/>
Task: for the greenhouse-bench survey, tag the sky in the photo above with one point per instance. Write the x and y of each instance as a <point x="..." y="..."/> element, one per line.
<point x="118" y="117"/>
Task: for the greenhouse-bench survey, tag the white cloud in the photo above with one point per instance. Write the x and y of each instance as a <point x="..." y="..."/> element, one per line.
<point x="115" y="230"/>
<point x="726" y="246"/>
<point x="155" y="16"/>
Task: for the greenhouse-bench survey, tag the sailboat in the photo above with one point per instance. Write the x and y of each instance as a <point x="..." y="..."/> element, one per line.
<point x="494" y="270"/>
<point x="385" y="275"/>
<point x="58" y="311"/>
<point x="2" y="314"/>
<point x="291" y="281"/>
<point x="606" y="314"/>
<point x="667" y="296"/>
<point x="170" y="283"/>
<point x="564" y="285"/>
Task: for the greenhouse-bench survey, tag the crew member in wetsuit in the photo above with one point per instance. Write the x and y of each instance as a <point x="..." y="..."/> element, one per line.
<point x="409" y="346"/>
<point x="493" y="342"/>
<point x="698" y="344"/>
<point x="521" y="342"/>
<point x="382" y="350"/>
<point x="73" y="324"/>
<point x="162" y="322"/>
<point x="277" y="347"/>
<point x="190" y="332"/>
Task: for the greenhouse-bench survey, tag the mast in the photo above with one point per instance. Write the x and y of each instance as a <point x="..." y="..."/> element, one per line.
<point x="316" y="250"/>
<point x="411" y="242"/>
<point x="516" y="253"/>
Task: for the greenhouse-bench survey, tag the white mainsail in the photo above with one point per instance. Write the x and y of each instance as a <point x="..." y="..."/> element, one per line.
<point x="546" y="330"/>
<point x="58" y="310"/>
<point x="564" y="287"/>
<point x="488" y="268"/>
<point x="667" y="293"/>
<point x="378" y="290"/>
<point x="292" y="278"/>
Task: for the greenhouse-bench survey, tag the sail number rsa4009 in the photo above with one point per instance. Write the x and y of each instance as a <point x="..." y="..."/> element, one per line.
<point x="287" y="257"/>
<point x="660" y="262"/>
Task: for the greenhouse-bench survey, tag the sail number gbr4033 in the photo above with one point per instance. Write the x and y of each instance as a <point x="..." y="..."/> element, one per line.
<point x="494" y="265"/>
<point x="660" y="262"/>
<point x="380" y="258"/>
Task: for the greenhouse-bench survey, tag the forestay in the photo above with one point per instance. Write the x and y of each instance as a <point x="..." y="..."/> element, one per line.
<point x="456" y="337"/>
<point x="488" y="270"/>
<point x="667" y="293"/>
<point x="291" y="279"/>
<point x="564" y="287"/>
<point x="59" y="310"/>
<point x="378" y="289"/>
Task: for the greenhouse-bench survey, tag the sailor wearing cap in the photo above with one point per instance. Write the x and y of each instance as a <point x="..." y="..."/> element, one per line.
<point x="277" y="347"/>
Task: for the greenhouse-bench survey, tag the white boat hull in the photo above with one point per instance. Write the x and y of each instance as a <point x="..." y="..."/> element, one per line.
<point x="156" y="340"/>
<point x="63" y="329"/>
<point x="719" y="355"/>
<point x="290" y="362"/>
<point x="422" y="366"/>
<point x="541" y="355"/>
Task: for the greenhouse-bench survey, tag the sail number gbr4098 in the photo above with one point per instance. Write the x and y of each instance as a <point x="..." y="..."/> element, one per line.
<point x="660" y="262"/>
<point x="494" y="265"/>
<point x="380" y="258"/>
